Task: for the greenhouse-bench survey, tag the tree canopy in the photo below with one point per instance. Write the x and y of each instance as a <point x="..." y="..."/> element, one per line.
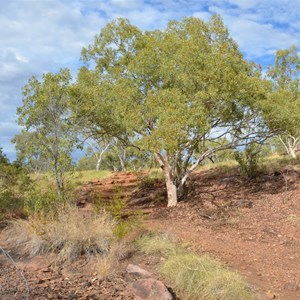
<point x="172" y="92"/>
<point x="45" y="117"/>
<point x="282" y="107"/>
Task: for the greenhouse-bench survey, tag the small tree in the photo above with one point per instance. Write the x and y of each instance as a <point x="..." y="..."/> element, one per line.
<point x="282" y="108"/>
<point x="248" y="160"/>
<point x="171" y="92"/>
<point x="45" y="116"/>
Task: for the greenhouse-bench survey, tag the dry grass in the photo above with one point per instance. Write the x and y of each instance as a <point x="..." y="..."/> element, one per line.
<point x="73" y="179"/>
<point x="202" y="278"/>
<point x="107" y="265"/>
<point x="194" y="277"/>
<point x="69" y="234"/>
<point x="158" y="244"/>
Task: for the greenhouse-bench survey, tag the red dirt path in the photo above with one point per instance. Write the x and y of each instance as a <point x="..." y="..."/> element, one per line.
<point x="253" y="227"/>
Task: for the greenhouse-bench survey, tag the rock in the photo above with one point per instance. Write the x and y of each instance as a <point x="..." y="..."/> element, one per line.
<point x="136" y="272"/>
<point x="150" y="289"/>
<point x="291" y="286"/>
<point x="270" y="295"/>
<point x="86" y="284"/>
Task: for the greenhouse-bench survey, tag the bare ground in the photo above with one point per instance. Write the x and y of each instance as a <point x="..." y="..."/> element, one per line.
<point x="253" y="227"/>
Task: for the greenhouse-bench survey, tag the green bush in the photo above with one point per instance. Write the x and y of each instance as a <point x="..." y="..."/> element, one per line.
<point x="14" y="182"/>
<point x="126" y="220"/>
<point x="249" y="160"/>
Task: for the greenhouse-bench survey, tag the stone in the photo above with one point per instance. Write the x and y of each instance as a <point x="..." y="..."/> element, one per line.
<point x="150" y="289"/>
<point x="136" y="272"/>
<point x="270" y="295"/>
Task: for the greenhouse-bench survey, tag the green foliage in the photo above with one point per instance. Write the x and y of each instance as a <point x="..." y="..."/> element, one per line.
<point x="77" y="178"/>
<point x="150" y="179"/>
<point x="282" y="107"/>
<point x="48" y="133"/>
<point x="29" y="154"/>
<point x="14" y="182"/>
<point x="183" y="82"/>
<point x="126" y="226"/>
<point x="117" y="207"/>
<point x="86" y="163"/>
<point x="249" y="160"/>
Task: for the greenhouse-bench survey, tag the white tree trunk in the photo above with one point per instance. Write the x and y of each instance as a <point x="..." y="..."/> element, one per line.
<point x="170" y="185"/>
<point x="292" y="152"/>
<point x="98" y="164"/>
<point x="291" y="144"/>
<point x="172" y="192"/>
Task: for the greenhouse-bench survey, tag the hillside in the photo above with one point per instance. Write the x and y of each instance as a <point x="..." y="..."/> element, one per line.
<point x="251" y="226"/>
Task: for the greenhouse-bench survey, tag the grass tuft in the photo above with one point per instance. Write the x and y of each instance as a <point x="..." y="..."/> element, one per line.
<point x="202" y="278"/>
<point x="158" y="244"/>
<point x="69" y="234"/>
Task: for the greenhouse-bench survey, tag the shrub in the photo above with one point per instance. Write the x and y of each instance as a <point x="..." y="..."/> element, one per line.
<point x="248" y="161"/>
<point x="202" y="278"/>
<point x="124" y="227"/>
<point x="13" y="183"/>
<point x="117" y="207"/>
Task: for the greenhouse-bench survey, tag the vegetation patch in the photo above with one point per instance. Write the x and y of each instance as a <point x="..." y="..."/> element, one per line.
<point x="294" y="218"/>
<point x="201" y="277"/>
<point x="158" y="244"/>
<point x="69" y="234"/>
<point x="195" y="277"/>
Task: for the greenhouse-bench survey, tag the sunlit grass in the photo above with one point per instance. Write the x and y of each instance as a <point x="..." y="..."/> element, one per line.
<point x="67" y="233"/>
<point x="203" y="278"/>
<point x="193" y="276"/>
<point x="73" y="179"/>
<point x="274" y="162"/>
<point x="158" y="244"/>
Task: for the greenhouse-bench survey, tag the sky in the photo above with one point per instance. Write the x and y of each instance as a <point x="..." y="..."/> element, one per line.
<point x="40" y="36"/>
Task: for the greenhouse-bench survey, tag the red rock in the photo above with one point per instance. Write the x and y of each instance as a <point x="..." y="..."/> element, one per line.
<point x="136" y="272"/>
<point x="150" y="289"/>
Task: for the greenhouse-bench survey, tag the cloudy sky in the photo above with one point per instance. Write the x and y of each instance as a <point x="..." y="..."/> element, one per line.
<point x="39" y="36"/>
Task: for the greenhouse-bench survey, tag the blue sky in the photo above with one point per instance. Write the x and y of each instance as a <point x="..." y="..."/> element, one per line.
<point x="38" y="36"/>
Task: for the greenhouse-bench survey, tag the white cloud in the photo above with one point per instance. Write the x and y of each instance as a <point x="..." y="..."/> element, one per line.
<point x="127" y="4"/>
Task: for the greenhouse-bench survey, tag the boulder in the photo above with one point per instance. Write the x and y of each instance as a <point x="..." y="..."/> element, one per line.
<point x="136" y="272"/>
<point x="149" y="289"/>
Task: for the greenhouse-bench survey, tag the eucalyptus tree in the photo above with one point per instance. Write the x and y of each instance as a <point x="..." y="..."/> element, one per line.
<point x="45" y="115"/>
<point x="97" y="146"/>
<point x="173" y="92"/>
<point x="29" y="154"/>
<point x="282" y="108"/>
